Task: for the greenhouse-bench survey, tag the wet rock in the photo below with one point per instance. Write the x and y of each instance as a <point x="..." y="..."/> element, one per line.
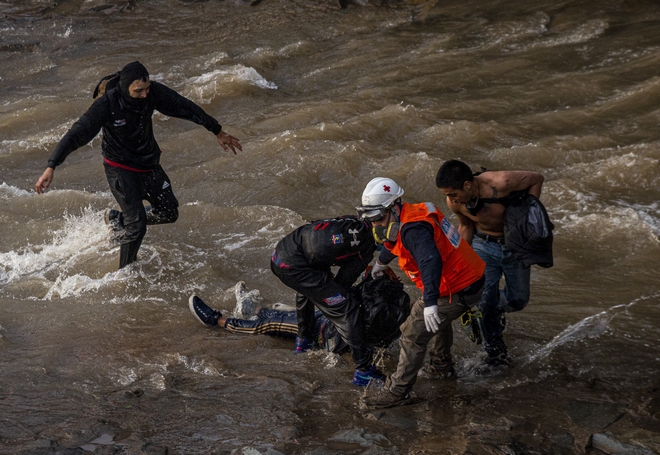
<point x="563" y="440"/>
<point x="67" y="7"/>
<point x="397" y="417"/>
<point x="605" y="442"/>
<point x="357" y="437"/>
<point x="153" y="449"/>
<point x="254" y="451"/>
<point x="593" y="415"/>
<point x="645" y="408"/>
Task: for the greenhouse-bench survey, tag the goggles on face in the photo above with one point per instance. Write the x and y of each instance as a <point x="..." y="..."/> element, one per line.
<point x="371" y="213"/>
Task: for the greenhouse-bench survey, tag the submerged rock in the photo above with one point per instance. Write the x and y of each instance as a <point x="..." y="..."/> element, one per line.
<point x="606" y="443"/>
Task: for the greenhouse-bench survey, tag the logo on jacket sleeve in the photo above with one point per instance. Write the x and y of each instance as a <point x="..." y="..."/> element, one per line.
<point x="354" y="233"/>
<point x="334" y="300"/>
<point x="337" y="239"/>
<point x="120" y="122"/>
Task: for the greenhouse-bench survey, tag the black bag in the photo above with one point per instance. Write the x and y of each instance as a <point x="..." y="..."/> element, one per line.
<point x="384" y="306"/>
<point x="528" y="230"/>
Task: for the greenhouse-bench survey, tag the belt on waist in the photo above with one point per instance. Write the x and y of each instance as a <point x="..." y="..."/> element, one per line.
<point x="490" y="238"/>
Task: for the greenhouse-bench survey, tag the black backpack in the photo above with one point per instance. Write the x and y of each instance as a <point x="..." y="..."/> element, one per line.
<point x="106" y="83"/>
<point x="384" y="307"/>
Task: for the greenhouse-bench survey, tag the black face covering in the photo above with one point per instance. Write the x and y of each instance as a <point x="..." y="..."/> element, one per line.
<point x="130" y="73"/>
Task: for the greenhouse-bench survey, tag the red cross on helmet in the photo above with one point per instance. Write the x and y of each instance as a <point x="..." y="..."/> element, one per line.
<point x="381" y="191"/>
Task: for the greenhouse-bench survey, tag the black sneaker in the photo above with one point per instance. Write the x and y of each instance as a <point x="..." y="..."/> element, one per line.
<point x="204" y="313"/>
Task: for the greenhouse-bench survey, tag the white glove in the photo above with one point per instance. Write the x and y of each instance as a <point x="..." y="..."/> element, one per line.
<point x="377" y="269"/>
<point x="431" y="318"/>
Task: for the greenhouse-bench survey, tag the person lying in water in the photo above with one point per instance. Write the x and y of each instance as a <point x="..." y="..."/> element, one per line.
<point x="384" y="307"/>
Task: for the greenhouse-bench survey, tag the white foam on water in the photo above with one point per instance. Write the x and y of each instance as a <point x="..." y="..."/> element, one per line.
<point x="212" y="60"/>
<point x="76" y="285"/>
<point x="9" y="191"/>
<point x="42" y="140"/>
<point x="196" y="366"/>
<point x="235" y="241"/>
<point x="125" y="376"/>
<point x="650" y="216"/>
<point x="581" y="34"/>
<point x="501" y="32"/>
<point x="80" y="236"/>
<point x="203" y="89"/>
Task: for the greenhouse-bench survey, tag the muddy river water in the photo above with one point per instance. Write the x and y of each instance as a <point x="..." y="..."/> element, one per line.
<point x="93" y="359"/>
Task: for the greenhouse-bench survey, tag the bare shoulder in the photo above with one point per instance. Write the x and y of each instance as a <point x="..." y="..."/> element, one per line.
<point x="507" y="181"/>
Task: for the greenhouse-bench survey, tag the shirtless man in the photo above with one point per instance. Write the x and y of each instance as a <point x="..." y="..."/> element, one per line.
<point x="482" y="225"/>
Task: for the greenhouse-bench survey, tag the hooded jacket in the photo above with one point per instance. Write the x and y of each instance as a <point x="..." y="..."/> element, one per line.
<point x="128" y="138"/>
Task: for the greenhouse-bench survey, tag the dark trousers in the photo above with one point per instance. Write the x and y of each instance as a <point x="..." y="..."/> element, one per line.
<point x="130" y="189"/>
<point x="319" y="288"/>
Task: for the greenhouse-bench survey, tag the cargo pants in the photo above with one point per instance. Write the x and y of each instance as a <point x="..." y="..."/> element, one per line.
<point x="415" y="339"/>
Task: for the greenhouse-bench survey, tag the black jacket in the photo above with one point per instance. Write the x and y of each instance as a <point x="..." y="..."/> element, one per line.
<point x="128" y="136"/>
<point x="528" y="230"/>
<point x="343" y="241"/>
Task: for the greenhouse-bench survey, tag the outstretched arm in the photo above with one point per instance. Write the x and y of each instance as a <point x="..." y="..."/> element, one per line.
<point x="83" y="131"/>
<point x="172" y="104"/>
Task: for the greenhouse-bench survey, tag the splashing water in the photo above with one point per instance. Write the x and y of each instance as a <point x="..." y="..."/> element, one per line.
<point x="590" y="327"/>
<point x="79" y="237"/>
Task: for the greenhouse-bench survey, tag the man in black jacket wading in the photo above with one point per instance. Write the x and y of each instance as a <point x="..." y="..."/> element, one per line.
<point x="131" y="155"/>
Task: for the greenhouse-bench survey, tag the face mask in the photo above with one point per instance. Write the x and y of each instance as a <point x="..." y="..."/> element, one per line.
<point x="387" y="233"/>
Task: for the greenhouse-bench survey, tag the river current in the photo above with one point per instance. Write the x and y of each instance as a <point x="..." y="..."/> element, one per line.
<point x="93" y="359"/>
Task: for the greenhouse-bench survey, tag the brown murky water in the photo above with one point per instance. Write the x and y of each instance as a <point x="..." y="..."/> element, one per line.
<point x="324" y="100"/>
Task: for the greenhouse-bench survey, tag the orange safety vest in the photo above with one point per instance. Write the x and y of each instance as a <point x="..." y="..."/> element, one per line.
<point x="461" y="266"/>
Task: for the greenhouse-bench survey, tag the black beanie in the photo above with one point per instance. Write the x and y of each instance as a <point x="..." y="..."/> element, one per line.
<point x="132" y="72"/>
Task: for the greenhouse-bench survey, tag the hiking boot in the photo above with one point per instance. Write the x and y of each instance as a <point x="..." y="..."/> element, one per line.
<point x="385" y="398"/>
<point x="302" y="345"/>
<point x="440" y="372"/>
<point x="363" y="378"/>
<point x="204" y="313"/>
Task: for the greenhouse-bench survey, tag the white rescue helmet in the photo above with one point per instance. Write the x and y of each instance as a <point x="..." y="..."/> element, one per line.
<point x="381" y="191"/>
